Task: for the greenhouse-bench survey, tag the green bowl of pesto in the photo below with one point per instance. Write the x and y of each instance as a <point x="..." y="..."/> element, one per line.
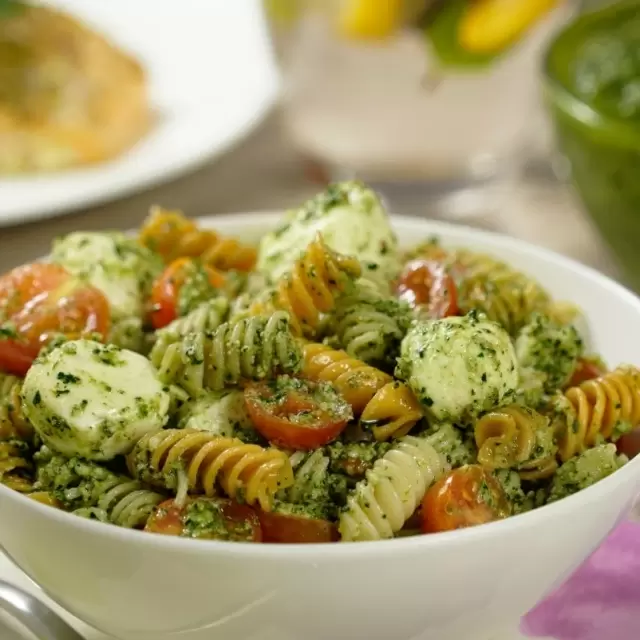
<point x="592" y="89"/>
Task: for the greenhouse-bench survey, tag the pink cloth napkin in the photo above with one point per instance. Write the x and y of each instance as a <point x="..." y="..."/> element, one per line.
<point x="601" y="600"/>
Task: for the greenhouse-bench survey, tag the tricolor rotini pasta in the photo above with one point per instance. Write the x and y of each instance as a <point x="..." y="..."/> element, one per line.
<point x="312" y="286"/>
<point x="249" y="348"/>
<point x="385" y="406"/>
<point x="370" y="326"/>
<point x="392" y="490"/>
<point x="596" y="411"/>
<point x="316" y="386"/>
<point x="200" y="462"/>
<point x="204" y="319"/>
<point x="91" y="491"/>
<point x="516" y="437"/>
<point x="172" y="235"/>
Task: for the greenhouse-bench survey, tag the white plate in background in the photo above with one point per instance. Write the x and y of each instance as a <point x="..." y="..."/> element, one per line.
<point x="212" y="77"/>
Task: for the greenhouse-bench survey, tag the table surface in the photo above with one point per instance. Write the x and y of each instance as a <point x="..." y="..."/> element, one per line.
<point x="264" y="172"/>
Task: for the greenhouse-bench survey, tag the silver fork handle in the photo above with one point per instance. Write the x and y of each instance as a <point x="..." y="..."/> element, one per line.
<point x="44" y="623"/>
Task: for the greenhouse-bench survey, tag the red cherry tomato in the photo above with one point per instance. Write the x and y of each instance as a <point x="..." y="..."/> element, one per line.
<point x="585" y="370"/>
<point x="165" y="293"/>
<point x="297" y="414"/>
<point x="427" y="283"/>
<point x="629" y="443"/>
<point x="464" y="497"/>
<point x="40" y="300"/>
<point x="206" y="518"/>
<point x="288" y="528"/>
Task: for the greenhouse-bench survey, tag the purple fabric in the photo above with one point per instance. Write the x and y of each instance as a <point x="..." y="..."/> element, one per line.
<point x="601" y="600"/>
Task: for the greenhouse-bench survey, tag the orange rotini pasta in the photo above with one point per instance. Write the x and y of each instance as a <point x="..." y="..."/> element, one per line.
<point x="591" y="412"/>
<point x="15" y="468"/>
<point x="13" y="423"/>
<point x="245" y="472"/>
<point x="509" y="438"/>
<point x="172" y="235"/>
<point x="310" y="289"/>
<point x="386" y="406"/>
<point x="356" y="381"/>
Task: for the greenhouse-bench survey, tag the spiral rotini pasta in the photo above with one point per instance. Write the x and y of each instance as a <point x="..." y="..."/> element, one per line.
<point x="310" y="472"/>
<point x="203" y="319"/>
<point x="89" y="490"/>
<point x="15" y="436"/>
<point x="392" y="490"/>
<point x="504" y="294"/>
<point x="591" y="412"/>
<point x="13" y="423"/>
<point x="369" y="326"/>
<point x="172" y="235"/>
<point x="311" y="288"/>
<point x="392" y="412"/>
<point x="507" y="438"/>
<point x="250" y="348"/>
<point x="201" y="461"/>
<point x="387" y="407"/>
<point x="121" y="501"/>
<point x="355" y="380"/>
<point x="15" y="466"/>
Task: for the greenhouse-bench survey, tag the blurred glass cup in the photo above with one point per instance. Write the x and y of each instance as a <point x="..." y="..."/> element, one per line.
<point x="429" y="101"/>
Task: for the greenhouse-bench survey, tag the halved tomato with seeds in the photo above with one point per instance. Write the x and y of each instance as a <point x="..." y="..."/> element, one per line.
<point x="39" y="301"/>
<point x="428" y="283"/>
<point x="206" y="518"/>
<point x="297" y="414"/>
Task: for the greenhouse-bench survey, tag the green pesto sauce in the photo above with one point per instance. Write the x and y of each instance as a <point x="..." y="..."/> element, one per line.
<point x="593" y="89"/>
<point x="204" y="518"/>
<point x="195" y="290"/>
<point x="323" y="396"/>
<point x="549" y="349"/>
<point x="585" y="469"/>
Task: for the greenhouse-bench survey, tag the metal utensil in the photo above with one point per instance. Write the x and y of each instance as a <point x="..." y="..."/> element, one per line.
<point x="44" y="623"/>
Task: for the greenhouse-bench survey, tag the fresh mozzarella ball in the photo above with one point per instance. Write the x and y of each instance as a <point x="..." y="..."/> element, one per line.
<point x="93" y="400"/>
<point x="549" y="349"/>
<point x="352" y="221"/>
<point x="121" y="269"/>
<point x="221" y="412"/>
<point x="459" y="367"/>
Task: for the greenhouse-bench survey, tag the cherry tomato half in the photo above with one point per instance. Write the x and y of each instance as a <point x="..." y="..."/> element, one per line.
<point x="295" y="529"/>
<point x="629" y="443"/>
<point x="207" y="519"/>
<point x="427" y="283"/>
<point x="465" y="497"/>
<point x="585" y="370"/>
<point x="38" y="301"/>
<point x="297" y="414"/>
<point x="165" y="293"/>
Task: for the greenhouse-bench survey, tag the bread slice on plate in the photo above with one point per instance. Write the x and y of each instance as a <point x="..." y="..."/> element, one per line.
<point x="68" y="97"/>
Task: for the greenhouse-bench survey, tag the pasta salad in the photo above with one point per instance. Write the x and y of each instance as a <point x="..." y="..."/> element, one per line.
<point x="324" y="386"/>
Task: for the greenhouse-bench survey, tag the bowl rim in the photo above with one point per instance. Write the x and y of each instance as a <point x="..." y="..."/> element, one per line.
<point x="381" y="548"/>
<point x="617" y="130"/>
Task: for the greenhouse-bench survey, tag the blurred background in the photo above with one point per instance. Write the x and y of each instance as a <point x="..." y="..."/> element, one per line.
<point x="517" y="116"/>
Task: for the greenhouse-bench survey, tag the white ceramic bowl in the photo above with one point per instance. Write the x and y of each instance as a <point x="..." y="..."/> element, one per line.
<point x="463" y="585"/>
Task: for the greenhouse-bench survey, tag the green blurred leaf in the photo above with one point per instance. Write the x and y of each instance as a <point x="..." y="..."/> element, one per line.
<point x="10" y="7"/>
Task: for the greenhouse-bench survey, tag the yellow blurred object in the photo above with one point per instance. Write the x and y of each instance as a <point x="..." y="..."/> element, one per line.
<point x="489" y="26"/>
<point x="369" y="19"/>
<point x="283" y="11"/>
